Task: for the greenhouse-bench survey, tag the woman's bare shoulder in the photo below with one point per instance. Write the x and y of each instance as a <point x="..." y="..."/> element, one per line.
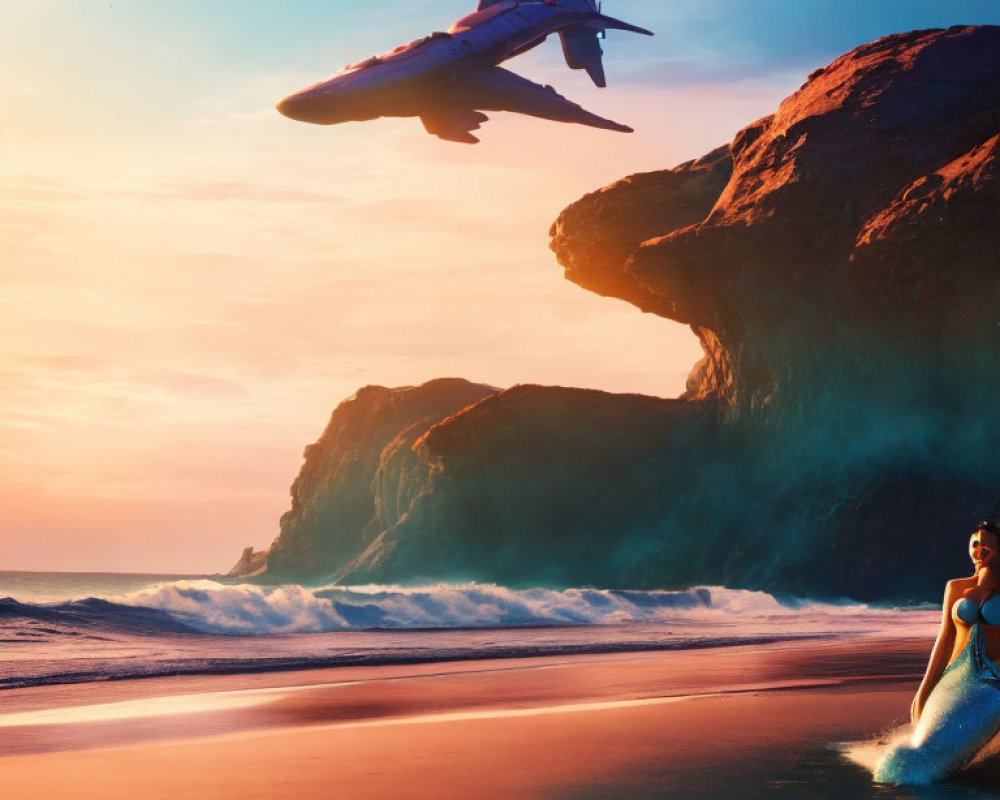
<point x="959" y="585"/>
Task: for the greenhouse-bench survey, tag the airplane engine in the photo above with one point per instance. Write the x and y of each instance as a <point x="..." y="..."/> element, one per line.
<point x="582" y="49"/>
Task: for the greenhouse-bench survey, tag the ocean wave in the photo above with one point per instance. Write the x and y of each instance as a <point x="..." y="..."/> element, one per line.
<point x="21" y="622"/>
<point x="205" y="627"/>
<point x="208" y="606"/>
<point x="217" y="608"/>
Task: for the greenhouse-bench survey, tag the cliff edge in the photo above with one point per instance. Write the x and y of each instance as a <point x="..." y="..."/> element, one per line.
<point x="839" y="261"/>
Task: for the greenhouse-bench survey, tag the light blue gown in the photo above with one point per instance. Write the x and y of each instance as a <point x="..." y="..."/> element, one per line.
<point x="962" y="713"/>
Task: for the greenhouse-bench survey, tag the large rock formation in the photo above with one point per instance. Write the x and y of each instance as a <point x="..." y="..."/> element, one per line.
<point x="840" y="263"/>
<point x="360" y="477"/>
<point x="539" y="485"/>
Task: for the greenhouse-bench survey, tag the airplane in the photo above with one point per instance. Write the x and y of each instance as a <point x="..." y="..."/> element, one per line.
<point x="449" y="78"/>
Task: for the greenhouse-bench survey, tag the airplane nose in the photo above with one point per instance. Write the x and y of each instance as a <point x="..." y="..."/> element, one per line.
<point x="290" y="107"/>
<point x="319" y="105"/>
<point x="308" y="106"/>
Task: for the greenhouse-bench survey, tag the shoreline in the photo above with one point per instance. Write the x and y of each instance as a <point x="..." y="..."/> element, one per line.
<point x="618" y="725"/>
<point x="791" y="658"/>
<point x="256" y="665"/>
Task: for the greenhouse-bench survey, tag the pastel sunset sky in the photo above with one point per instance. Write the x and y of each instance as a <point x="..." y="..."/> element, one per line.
<point x="190" y="283"/>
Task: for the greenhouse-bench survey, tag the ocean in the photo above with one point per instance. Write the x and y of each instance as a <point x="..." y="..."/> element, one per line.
<point x="84" y="628"/>
<point x="78" y="627"/>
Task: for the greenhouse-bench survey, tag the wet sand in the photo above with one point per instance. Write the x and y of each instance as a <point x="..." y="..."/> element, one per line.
<point x="675" y="724"/>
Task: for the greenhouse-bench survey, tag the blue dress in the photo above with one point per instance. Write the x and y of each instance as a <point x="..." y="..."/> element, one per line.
<point x="962" y="713"/>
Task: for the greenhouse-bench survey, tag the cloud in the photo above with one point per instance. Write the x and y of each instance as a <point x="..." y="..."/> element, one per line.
<point x="221" y="191"/>
<point x="20" y="189"/>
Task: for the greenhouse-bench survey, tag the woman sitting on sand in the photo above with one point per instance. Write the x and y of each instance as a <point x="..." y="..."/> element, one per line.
<point x="957" y="708"/>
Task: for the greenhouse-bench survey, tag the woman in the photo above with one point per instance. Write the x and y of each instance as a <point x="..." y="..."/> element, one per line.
<point x="957" y="708"/>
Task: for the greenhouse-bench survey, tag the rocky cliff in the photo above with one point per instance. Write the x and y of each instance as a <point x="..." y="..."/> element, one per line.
<point x="359" y="478"/>
<point x="840" y="263"/>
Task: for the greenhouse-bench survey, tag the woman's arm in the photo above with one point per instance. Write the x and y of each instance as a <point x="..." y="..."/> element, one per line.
<point x="940" y="655"/>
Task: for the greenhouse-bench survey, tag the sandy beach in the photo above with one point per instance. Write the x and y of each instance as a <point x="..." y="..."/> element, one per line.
<point x="749" y="721"/>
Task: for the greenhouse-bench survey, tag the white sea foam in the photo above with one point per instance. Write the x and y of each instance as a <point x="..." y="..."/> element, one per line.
<point x="251" y="610"/>
<point x="866" y="753"/>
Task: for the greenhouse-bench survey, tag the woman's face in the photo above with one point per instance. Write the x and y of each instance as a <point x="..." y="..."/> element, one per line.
<point x="984" y="549"/>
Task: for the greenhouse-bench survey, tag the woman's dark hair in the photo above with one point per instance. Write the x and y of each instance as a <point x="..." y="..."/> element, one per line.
<point x="989" y="526"/>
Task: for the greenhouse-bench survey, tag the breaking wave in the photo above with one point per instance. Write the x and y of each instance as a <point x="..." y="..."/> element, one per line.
<point x="218" y="608"/>
<point x="198" y="626"/>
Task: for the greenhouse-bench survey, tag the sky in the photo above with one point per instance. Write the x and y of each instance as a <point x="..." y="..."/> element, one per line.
<point x="190" y="283"/>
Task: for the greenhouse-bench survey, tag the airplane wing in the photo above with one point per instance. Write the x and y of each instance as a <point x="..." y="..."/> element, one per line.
<point x="487" y="3"/>
<point x="498" y="89"/>
<point x="453" y="123"/>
